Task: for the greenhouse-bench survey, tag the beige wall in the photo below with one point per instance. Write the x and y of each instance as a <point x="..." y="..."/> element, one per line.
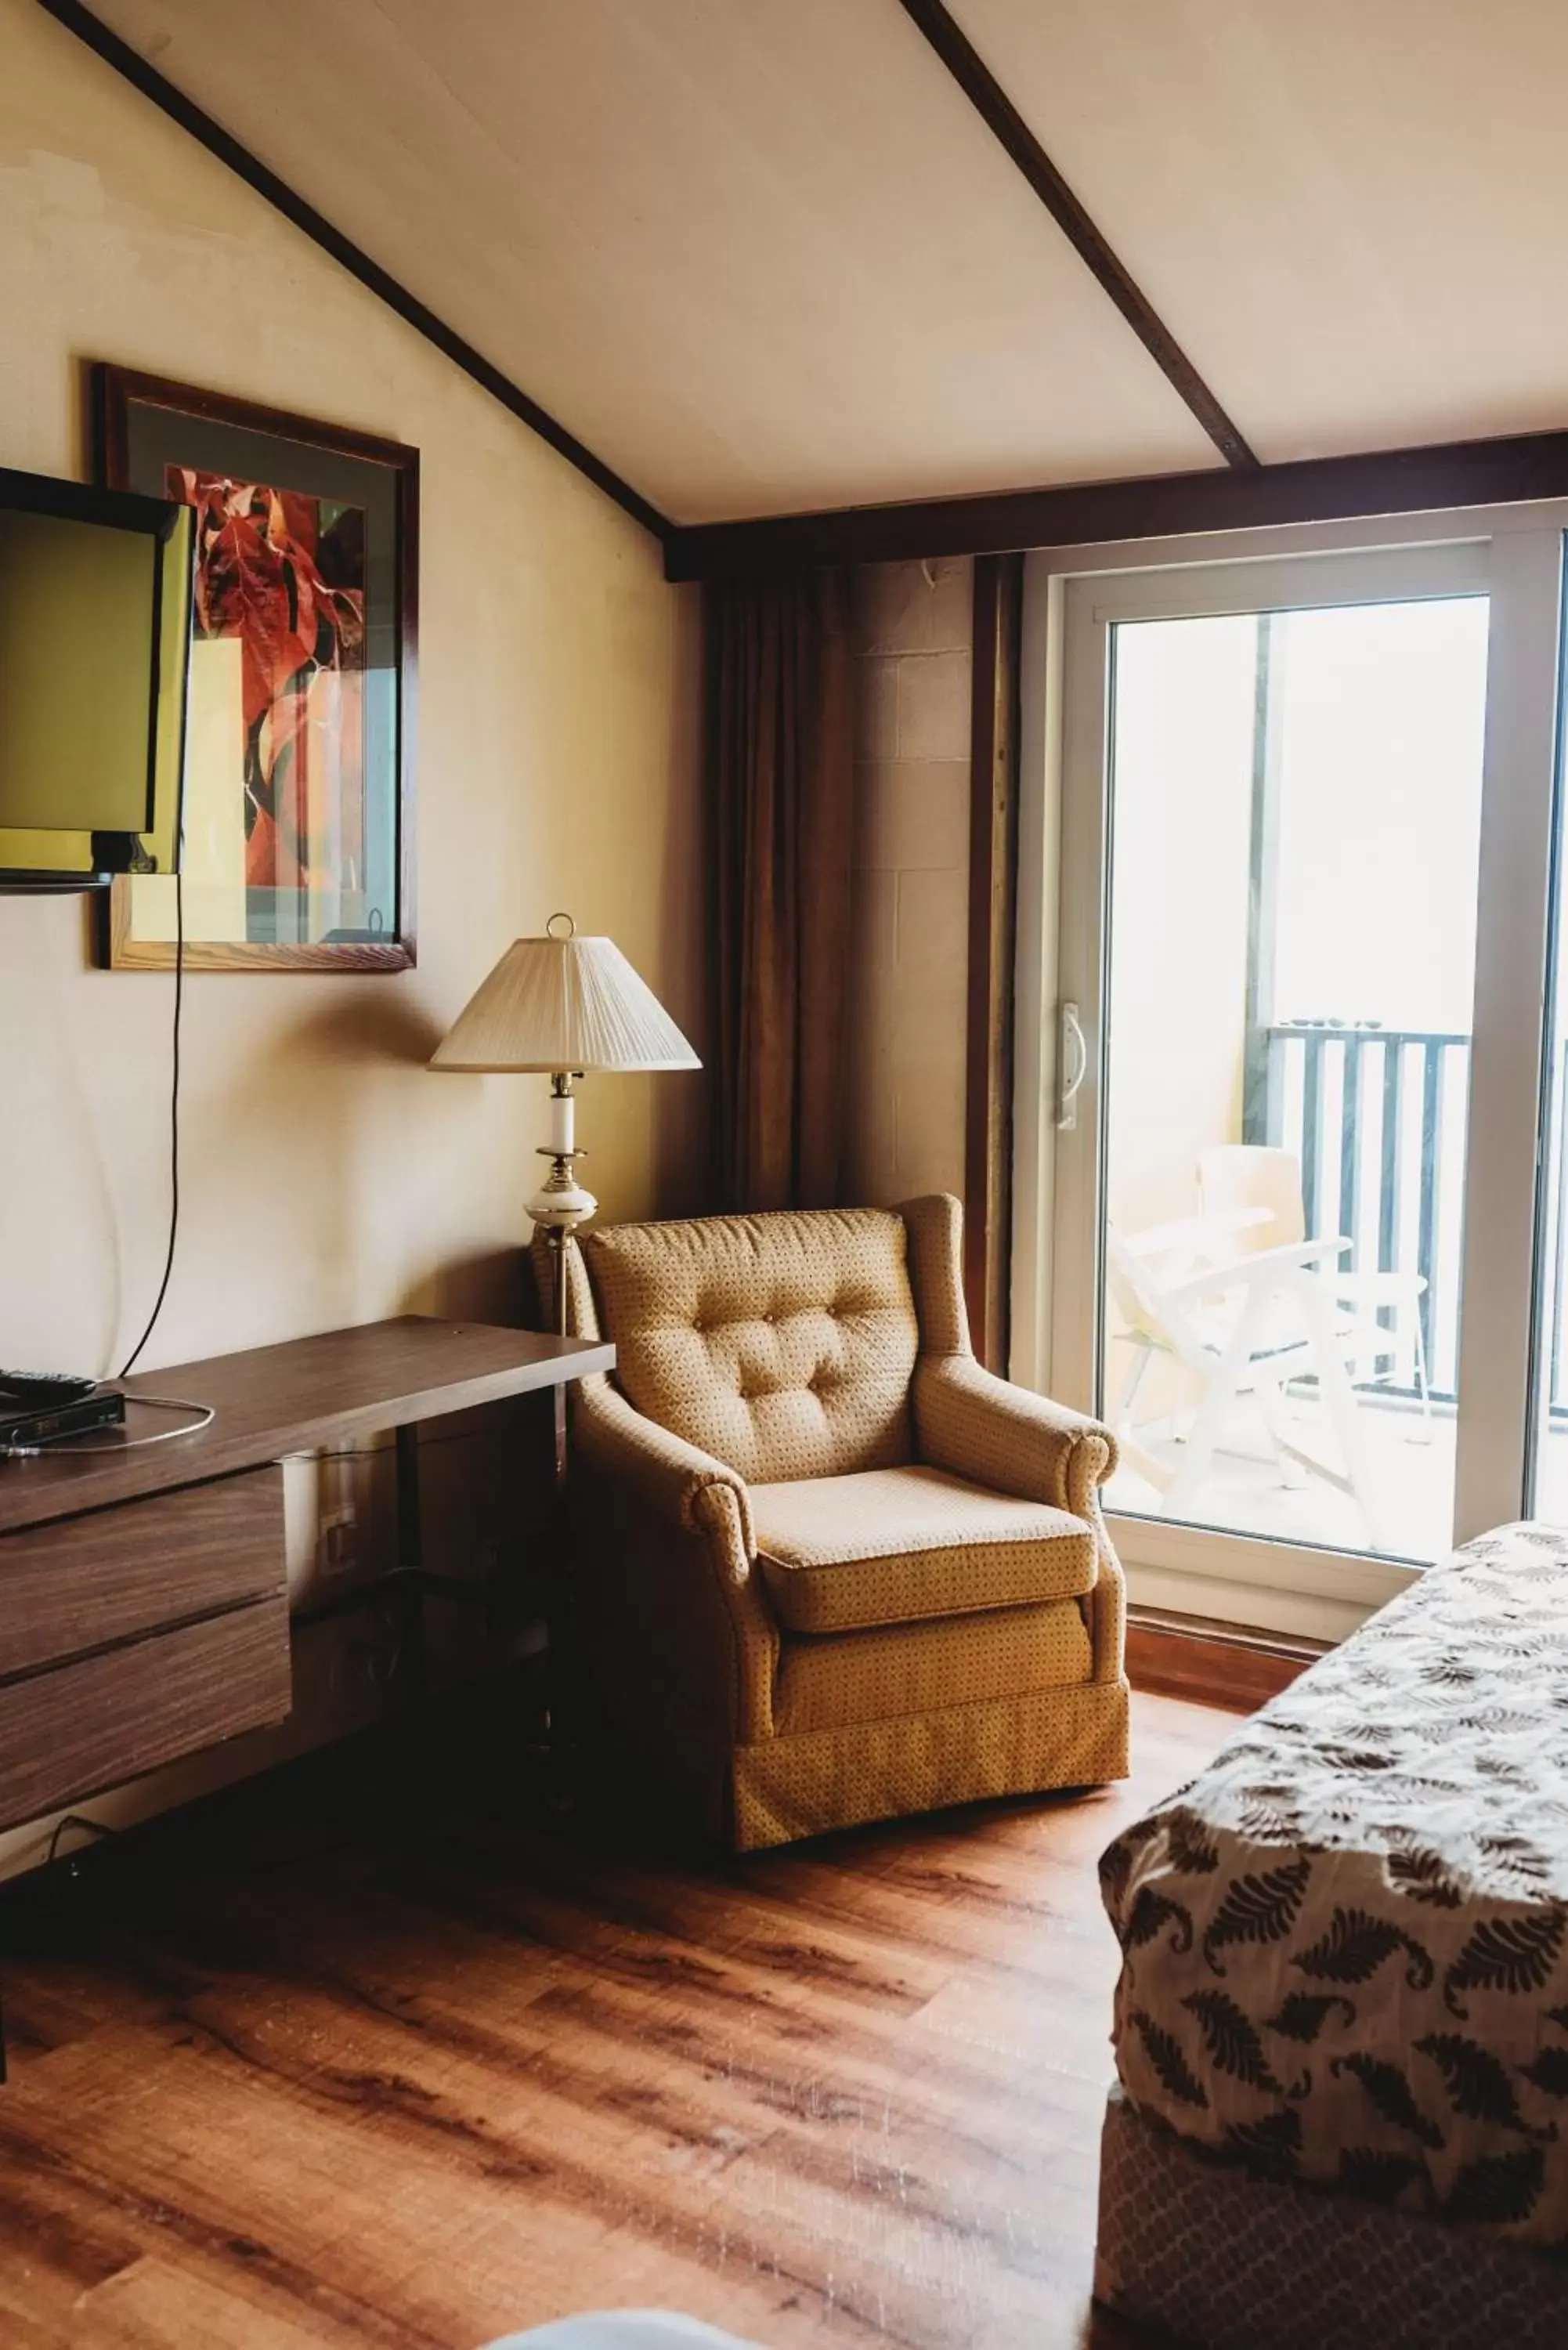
<point x="329" y="1177"/>
<point x="909" y="969"/>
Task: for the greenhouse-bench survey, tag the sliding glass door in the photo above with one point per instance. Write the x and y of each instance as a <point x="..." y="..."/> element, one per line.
<point x="1287" y="1066"/>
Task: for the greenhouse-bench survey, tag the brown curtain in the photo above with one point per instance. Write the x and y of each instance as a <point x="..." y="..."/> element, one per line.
<point x="781" y="770"/>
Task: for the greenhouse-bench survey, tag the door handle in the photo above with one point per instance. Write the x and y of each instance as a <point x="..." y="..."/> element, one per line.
<point x="1072" y="1066"/>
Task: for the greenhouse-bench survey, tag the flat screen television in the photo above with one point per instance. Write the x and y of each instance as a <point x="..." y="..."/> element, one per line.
<point x="95" y="640"/>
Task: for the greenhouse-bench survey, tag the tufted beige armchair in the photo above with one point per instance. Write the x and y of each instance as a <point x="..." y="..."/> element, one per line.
<point x="828" y="1568"/>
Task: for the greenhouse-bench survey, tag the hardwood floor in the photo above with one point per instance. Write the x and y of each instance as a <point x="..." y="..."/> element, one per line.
<point x="364" y="2054"/>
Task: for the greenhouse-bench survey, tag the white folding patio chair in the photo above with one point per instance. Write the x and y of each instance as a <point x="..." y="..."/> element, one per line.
<point x="1244" y="1323"/>
<point x="1233" y="1177"/>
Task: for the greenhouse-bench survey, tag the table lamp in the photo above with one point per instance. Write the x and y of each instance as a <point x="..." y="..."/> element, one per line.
<point x="563" y="1007"/>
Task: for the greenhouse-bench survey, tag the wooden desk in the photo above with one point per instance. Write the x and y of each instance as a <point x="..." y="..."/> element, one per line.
<point x="143" y="1604"/>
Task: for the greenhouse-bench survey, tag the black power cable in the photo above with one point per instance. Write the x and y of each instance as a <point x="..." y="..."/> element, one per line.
<point x="131" y="1361"/>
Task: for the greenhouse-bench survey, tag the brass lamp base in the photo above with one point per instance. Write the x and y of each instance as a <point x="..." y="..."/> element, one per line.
<point x="561" y="1203"/>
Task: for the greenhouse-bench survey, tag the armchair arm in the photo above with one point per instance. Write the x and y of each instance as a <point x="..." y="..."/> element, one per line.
<point x="677" y="1479"/>
<point x="666" y="1543"/>
<point x="974" y="1424"/>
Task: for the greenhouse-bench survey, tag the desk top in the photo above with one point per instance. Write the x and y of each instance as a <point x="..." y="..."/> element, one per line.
<point x="272" y="1401"/>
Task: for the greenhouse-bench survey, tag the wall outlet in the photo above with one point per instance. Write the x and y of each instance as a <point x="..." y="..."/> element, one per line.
<point x="337" y="1541"/>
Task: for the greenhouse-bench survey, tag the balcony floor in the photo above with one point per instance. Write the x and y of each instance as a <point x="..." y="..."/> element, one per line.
<point x="1411" y="1475"/>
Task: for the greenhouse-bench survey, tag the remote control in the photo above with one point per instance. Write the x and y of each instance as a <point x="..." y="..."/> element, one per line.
<point x="39" y="1388"/>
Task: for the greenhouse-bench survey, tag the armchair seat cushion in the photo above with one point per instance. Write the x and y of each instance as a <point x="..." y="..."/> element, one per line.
<point x="903" y="1546"/>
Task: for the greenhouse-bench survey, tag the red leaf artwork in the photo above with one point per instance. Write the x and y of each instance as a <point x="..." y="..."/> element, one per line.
<point x="285" y="573"/>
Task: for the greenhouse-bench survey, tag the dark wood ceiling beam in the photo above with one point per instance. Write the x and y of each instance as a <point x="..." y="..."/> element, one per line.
<point x="257" y="174"/>
<point x="1001" y="118"/>
<point x="1509" y="471"/>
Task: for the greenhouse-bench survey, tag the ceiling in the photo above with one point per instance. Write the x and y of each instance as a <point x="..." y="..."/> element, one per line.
<point x="764" y="257"/>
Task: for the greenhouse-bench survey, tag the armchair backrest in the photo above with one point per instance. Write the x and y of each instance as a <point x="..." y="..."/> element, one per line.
<point x="782" y="1344"/>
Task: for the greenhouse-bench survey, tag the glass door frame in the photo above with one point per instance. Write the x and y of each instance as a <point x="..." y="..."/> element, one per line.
<point x="1072" y="600"/>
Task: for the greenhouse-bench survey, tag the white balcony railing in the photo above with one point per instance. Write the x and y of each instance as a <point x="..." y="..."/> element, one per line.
<point x="1376" y="1116"/>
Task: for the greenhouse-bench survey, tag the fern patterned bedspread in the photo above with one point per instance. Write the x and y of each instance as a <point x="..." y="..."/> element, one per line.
<point x="1344" y="1946"/>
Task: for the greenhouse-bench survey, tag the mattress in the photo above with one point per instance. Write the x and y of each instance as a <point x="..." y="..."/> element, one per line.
<point x="1344" y="1946"/>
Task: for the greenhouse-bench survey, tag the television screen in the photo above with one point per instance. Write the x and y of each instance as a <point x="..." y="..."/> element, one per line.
<point x="95" y="589"/>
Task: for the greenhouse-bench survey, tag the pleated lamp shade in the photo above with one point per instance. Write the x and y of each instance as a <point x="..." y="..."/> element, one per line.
<point x="566" y="1002"/>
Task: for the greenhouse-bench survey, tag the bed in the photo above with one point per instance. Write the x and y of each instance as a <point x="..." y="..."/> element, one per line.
<point x="1342" y="2019"/>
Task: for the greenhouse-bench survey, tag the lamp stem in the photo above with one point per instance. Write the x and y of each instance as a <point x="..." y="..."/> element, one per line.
<point x="560" y="1241"/>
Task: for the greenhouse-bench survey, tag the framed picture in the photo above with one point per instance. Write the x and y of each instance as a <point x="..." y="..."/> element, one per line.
<point x="299" y="801"/>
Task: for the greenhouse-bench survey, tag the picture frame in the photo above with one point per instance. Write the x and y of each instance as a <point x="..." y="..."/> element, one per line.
<point x="298" y="808"/>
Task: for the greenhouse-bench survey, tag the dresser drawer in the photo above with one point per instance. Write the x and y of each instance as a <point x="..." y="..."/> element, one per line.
<point x="84" y="1582"/>
<point x="84" y="1726"/>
